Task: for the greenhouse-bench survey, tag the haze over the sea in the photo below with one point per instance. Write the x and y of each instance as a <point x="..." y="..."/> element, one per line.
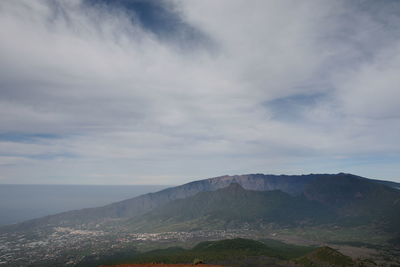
<point x="23" y="202"/>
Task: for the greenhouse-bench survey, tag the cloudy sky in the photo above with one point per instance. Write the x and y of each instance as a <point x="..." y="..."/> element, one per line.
<point x="164" y="92"/>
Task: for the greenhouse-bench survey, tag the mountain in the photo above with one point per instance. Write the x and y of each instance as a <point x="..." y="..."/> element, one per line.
<point x="313" y="187"/>
<point x="357" y="200"/>
<point x="318" y="209"/>
<point x="230" y="207"/>
<point x="346" y="201"/>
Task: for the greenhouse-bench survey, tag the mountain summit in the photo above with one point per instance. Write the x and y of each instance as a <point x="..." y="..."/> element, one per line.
<point x="345" y="195"/>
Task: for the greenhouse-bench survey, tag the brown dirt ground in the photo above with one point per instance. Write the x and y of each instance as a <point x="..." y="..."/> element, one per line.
<point x="162" y="265"/>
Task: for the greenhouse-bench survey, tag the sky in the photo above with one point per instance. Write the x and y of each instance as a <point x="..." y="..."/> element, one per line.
<point x="169" y="91"/>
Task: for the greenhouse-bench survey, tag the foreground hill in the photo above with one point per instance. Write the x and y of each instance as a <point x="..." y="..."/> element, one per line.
<point x="159" y="265"/>
<point x="325" y="257"/>
<point x="244" y="253"/>
<point x="229" y="252"/>
<point x="241" y="252"/>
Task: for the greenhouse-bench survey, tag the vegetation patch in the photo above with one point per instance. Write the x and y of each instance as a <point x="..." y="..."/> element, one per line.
<point x="211" y="252"/>
<point x="325" y="256"/>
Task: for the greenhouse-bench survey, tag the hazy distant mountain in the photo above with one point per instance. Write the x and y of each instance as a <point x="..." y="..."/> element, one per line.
<point x="344" y="201"/>
<point x="345" y="193"/>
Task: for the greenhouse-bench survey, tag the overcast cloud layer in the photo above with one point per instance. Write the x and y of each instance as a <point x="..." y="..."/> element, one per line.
<point x="163" y="92"/>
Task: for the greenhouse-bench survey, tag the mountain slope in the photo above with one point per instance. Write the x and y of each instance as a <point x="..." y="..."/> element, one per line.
<point x="358" y="200"/>
<point x="343" y="201"/>
<point x="233" y="206"/>
<point x="294" y="185"/>
<point x="137" y="206"/>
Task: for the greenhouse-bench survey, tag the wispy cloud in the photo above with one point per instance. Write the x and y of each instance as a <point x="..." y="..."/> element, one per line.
<point x="178" y="89"/>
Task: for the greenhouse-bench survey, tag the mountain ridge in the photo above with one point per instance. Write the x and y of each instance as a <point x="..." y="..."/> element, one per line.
<point x="312" y="209"/>
<point x="291" y="184"/>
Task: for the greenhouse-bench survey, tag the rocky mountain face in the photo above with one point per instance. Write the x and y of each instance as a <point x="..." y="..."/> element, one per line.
<point x="313" y="186"/>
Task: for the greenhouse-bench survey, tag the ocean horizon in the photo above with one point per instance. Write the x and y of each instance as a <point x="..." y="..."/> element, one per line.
<point x="21" y="202"/>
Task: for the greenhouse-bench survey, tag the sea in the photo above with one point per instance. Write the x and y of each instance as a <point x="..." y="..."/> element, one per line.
<point x="23" y="202"/>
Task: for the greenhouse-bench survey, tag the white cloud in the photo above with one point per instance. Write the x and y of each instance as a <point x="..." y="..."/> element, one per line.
<point x="372" y="90"/>
<point x="127" y="103"/>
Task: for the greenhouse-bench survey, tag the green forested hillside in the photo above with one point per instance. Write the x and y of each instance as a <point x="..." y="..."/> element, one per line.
<point x="358" y="201"/>
<point x="345" y="202"/>
<point x="237" y="250"/>
<point x="234" y="205"/>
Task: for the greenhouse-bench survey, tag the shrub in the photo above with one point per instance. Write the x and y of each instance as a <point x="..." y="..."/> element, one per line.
<point x="197" y="261"/>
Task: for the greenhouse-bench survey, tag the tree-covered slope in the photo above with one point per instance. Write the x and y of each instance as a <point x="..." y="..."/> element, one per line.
<point x="345" y="201"/>
<point x="358" y="200"/>
<point x="220" y="252"/>
<point x="234" y="205"/>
